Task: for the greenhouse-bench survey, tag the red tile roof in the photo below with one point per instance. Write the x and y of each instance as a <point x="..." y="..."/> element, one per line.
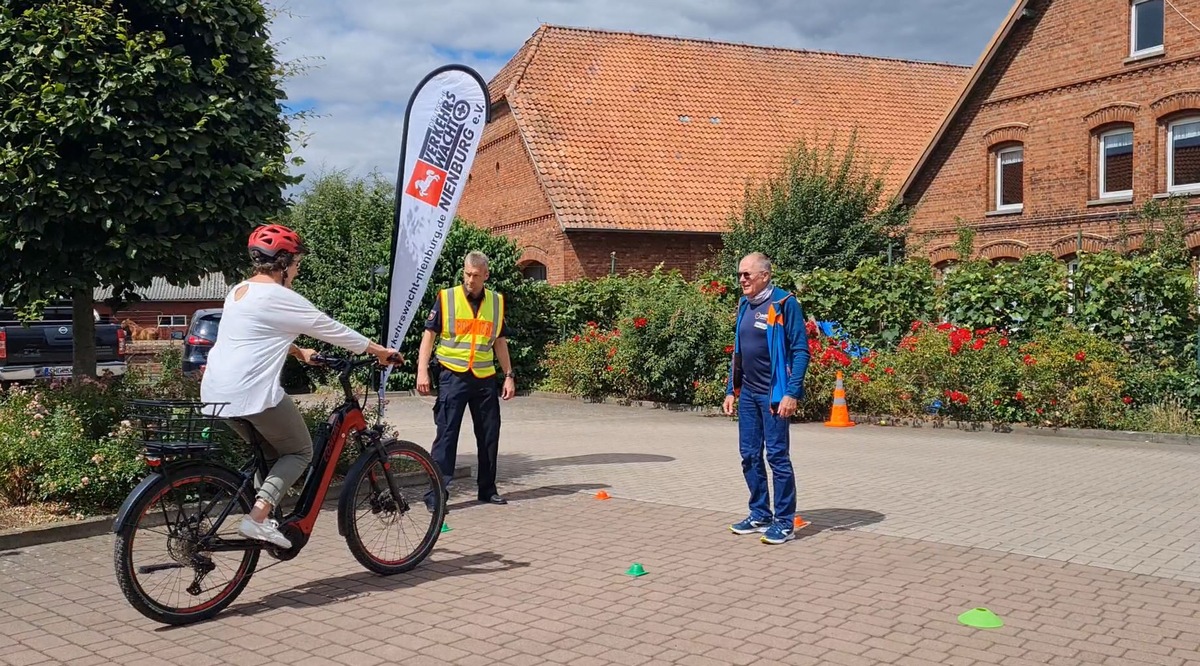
<point x="645" y="133"/>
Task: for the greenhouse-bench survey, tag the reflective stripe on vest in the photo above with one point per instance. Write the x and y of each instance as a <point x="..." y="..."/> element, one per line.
<point x="467" y="340"/>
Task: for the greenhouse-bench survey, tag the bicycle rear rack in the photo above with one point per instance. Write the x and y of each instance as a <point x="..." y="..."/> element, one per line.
<point x="173" y="430"/>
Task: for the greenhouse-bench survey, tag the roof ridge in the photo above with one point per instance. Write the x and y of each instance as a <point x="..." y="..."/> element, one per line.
<point x="534" y="42"/>
<point x="998" y="41"/>
<point x="548" y="27"/>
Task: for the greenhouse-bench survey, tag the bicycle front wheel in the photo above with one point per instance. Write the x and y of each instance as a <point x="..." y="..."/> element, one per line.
<point x="162" y="564"/>
<point x="387" y="534"/>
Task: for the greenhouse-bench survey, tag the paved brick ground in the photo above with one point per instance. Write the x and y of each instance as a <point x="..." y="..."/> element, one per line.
<point x="1125" y="506"/>
<point x="542" y="580"/>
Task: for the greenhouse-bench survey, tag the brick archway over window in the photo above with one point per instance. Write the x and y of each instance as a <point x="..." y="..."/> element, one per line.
<point x="1012" y="132"/>
<point x="1130" y="243"/>
<point x="1068" y="245"/>
<point x="1192" y="238"/>
<point x="1004" y="249"/>
<point x="1179" y="100"/>
<point x="531" y="254"/>
<point x="942" y="254"/>
<point x="1118" y="112"/>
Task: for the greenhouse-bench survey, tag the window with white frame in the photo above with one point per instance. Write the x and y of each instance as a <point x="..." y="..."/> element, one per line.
<point x="172" y="320"/>
<point x="1010" y="179"/>
<point x="1183" y="155"/>
<point x="1146" y="27"/>
<point x="1116" y="163"/>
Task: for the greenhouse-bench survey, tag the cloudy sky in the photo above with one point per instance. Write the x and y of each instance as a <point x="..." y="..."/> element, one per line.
<point x="363" y="57"/>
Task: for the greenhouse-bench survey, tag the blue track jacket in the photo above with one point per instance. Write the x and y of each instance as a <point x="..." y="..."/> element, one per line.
<point x="787" y="340"/>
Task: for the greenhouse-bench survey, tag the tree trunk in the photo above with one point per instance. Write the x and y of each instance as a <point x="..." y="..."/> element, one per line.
<point x="83" y="324"/>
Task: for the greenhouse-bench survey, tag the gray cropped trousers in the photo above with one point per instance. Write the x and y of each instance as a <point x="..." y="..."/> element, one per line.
<point x="288" y="448"/>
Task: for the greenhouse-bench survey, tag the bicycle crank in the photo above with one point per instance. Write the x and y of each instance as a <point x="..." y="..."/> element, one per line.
<point x="293" y="534"/>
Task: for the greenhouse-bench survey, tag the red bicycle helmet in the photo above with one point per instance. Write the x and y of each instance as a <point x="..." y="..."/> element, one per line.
<point x="271" y="239"/>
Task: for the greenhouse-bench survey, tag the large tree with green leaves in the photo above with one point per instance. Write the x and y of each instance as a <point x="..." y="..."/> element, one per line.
<point x="138" y="138"/>
<point x="348" y="224"/>
<point x="827" y="208"/>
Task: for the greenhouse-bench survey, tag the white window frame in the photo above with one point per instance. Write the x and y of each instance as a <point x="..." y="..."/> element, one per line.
<point x="1171" y="187"/>
<point x="1152" y="50"/>
<point x="1104" y="194"/>
<point x="171" y="319"/>
<point x="1000" y="179"/>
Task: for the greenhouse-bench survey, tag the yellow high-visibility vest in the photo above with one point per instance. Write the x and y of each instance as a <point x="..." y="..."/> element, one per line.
<point x="467" y="339"/>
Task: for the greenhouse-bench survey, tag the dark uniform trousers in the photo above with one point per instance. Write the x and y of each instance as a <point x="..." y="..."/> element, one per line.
<point x="456" y="392"/>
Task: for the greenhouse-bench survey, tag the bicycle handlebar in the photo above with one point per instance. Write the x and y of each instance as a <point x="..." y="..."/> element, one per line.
<point x="345" y="366"/>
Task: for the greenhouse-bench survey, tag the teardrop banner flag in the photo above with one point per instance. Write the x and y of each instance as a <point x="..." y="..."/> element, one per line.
<point x="442" y="128"/>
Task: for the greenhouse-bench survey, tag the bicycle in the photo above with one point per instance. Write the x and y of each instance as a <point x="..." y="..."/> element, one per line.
<point x="198" y="494"/>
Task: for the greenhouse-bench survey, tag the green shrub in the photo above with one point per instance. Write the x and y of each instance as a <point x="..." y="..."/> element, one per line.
<point x="672" y="333"/>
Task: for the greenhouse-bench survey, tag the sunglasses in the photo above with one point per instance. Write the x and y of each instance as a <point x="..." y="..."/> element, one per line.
<point x="746" y="276"/>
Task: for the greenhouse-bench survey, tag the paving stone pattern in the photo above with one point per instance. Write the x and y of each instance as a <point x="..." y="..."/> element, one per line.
<point x="892" y="558"/>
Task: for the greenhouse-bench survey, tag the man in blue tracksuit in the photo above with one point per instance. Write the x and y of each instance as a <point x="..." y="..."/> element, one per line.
<point x="770" y="357"/>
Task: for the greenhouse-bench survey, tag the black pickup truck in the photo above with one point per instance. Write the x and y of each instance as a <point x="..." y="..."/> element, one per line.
<point x="45" y="349"/>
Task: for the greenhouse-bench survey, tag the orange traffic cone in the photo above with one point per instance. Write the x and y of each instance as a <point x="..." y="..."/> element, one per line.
<point x="839" y="415"/>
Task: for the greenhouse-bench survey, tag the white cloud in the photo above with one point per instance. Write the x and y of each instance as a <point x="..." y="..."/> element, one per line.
<point x="367" y="56"/>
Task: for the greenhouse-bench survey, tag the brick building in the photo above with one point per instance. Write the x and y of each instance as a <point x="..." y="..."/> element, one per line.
<point x="620" y="151"/>
<point x="1077" y="113"/>
<point x="166" y="308"/>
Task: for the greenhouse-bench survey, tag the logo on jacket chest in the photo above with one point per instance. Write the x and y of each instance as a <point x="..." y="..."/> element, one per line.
<point x="760" y="320"/>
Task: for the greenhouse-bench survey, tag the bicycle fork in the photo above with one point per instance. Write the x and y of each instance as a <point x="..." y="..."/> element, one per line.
<point x="393" y="487"/>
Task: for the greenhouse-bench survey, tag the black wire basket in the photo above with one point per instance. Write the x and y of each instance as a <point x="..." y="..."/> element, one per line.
<point x="179" y="429"/>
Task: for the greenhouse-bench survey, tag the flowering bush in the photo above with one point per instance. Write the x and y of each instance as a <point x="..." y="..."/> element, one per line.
<point x="943" y="371"/>
<point x="583" y="364"/>
<point x="70" y="440"/>
<point x="671" y="343"/>
<point x="46" y="454"/>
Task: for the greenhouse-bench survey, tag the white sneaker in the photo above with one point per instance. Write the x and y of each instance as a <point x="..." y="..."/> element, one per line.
<point x="264" y="531"/>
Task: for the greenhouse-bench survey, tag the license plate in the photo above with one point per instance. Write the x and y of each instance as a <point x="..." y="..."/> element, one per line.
<point x="57" y="371"/>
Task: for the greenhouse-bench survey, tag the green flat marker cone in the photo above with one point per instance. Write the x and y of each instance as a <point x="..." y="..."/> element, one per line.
<point x="445" y="528"/>
<point x="981" y="618"/>
<point x="636" y="570"/>
<point x="206" y="434"/>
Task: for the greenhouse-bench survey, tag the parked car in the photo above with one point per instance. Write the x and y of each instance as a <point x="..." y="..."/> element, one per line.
<point x="46" y="348"/>
<point x="200" y="338"/>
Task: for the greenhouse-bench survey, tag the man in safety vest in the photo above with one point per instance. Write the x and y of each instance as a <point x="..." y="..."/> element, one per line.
<point x="472" y="338"/>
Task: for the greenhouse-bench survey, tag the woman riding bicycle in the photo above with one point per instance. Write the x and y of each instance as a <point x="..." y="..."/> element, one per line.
<point x="262" y="316"/>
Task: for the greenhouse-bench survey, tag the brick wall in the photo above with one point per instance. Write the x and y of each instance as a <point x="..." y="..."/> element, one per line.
<point x="588" y="254"/>
<point x="1064" y="77"/>
<point x="503" y="187"/>
<point x="572" y="255"/>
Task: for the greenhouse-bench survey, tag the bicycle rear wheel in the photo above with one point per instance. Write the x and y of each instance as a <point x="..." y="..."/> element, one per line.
<point x="386" y="534"/>
<point x="184" y="582"/>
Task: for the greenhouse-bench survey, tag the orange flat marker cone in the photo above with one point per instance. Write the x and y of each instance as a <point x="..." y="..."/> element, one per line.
<point x="839" y="415"/>
<point x="800" y="523"/>
<point x="602" y="495"/>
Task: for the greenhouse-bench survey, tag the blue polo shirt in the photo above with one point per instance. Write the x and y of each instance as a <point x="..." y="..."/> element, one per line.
<point x="752" y="343"/>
